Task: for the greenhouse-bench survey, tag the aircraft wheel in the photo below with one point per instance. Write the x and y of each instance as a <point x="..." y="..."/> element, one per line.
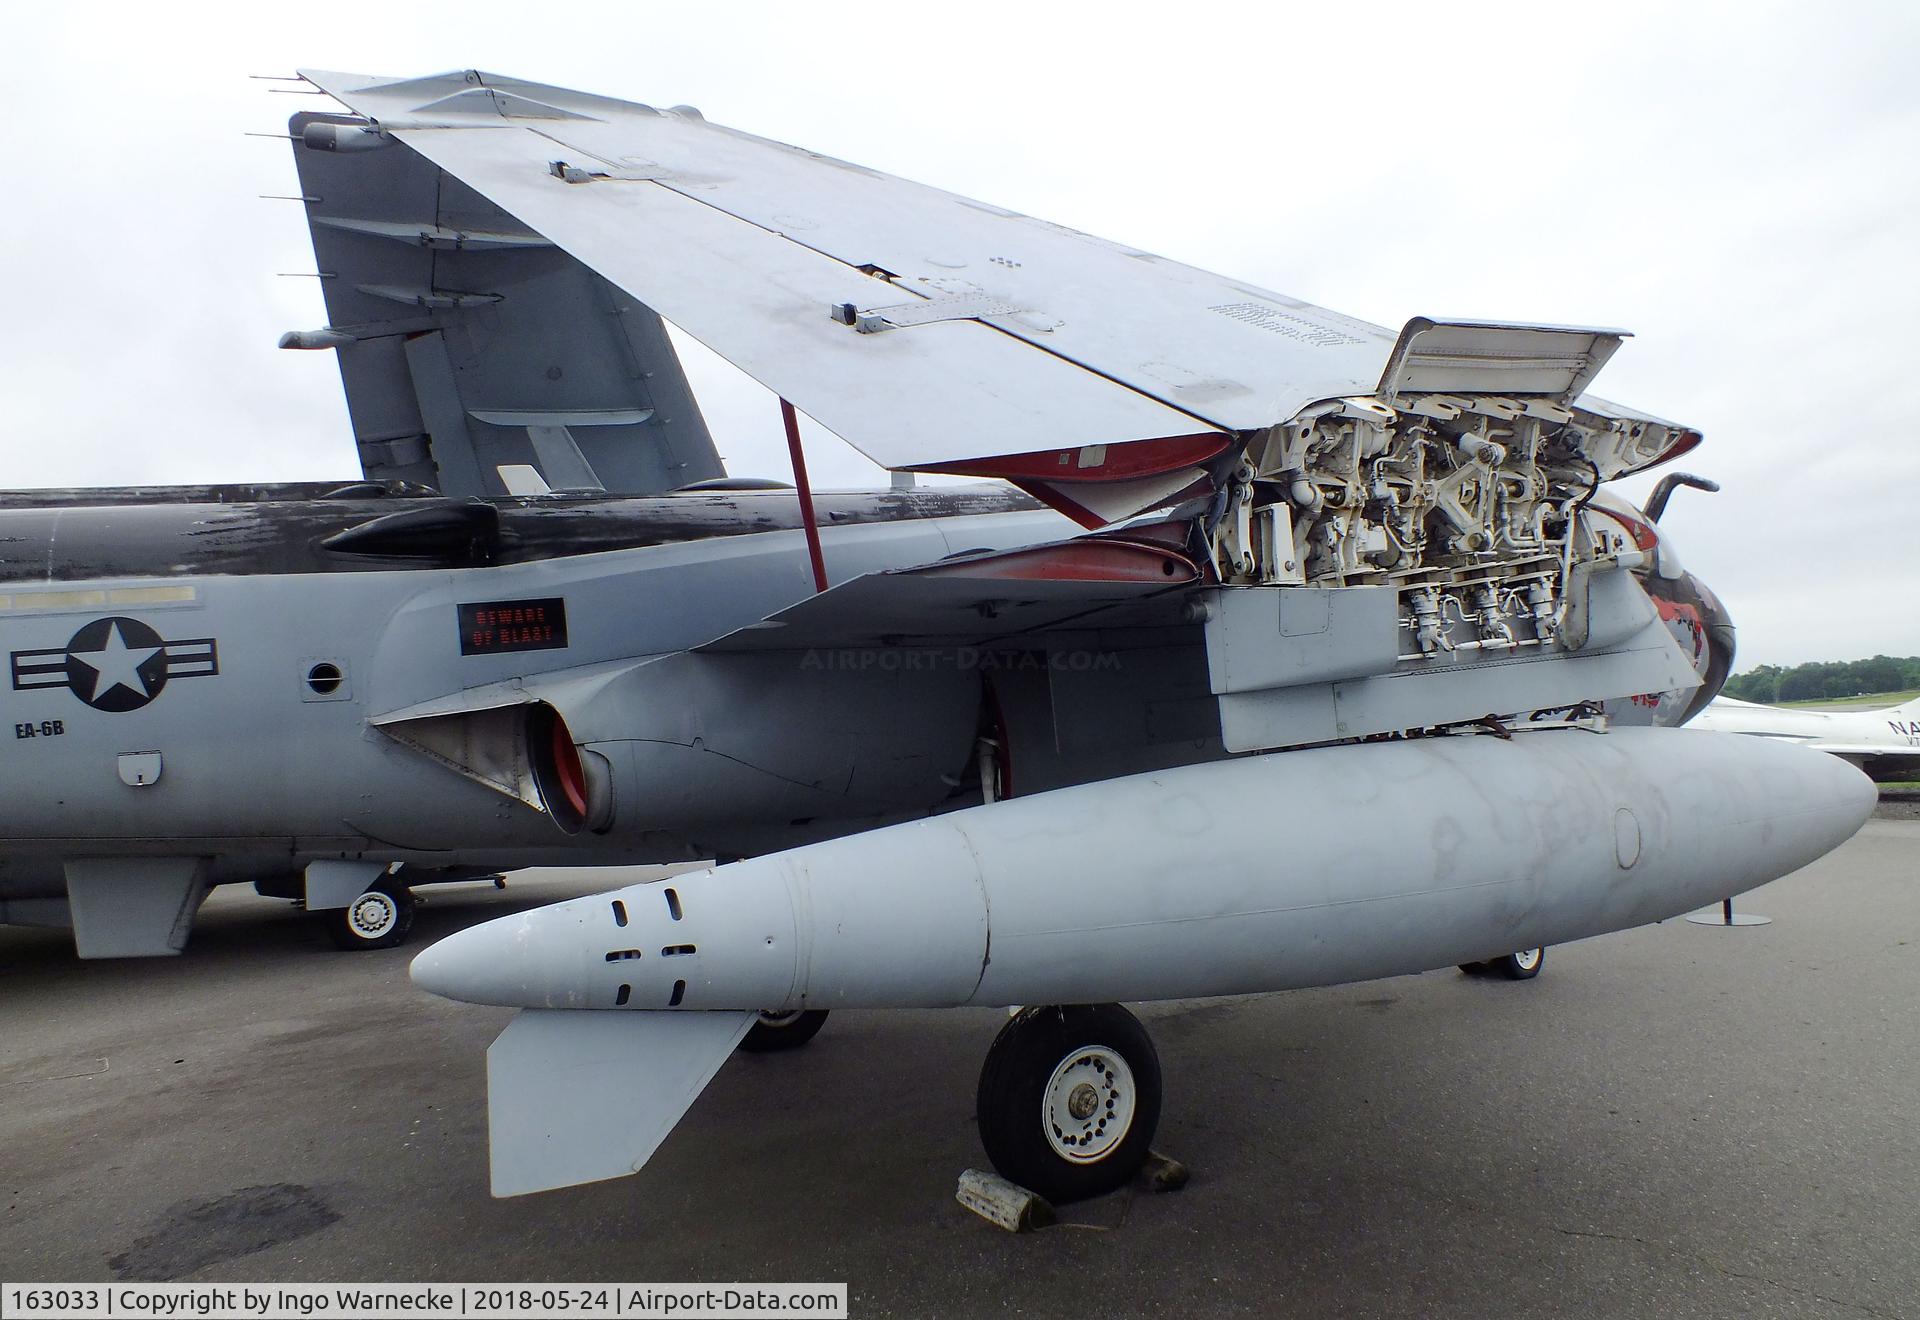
<point x="783" y="1031"/>
<point x="1069" y="1099"/>
<point x="378" y="919"/>
<point x="1522" y="966"/>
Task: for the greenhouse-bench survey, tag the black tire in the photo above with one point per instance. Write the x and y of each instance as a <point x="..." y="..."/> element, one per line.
<point x="378" y="919"/>
<point x="1522" y="966"/>
<point x="1047" y="1063"/>
<point x="783" y="1031"/>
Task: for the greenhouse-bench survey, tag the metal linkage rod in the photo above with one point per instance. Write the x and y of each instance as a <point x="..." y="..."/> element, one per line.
<point x="801" y="485"/>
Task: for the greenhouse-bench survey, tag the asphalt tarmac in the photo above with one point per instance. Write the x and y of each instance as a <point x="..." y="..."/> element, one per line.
<point x="1675" y="1121"/>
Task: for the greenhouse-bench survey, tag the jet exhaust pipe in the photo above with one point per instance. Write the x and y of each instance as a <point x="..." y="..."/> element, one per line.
<point x="1306" y="868"/>
<point x="523" y="749"/>
<point x="559" y="771"/>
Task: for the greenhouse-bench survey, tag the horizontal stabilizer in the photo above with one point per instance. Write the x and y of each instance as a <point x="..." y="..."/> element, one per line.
<point x="578" y="1097"/>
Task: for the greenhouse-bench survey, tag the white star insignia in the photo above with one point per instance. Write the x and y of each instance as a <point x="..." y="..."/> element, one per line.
<point x="116" y="664"/>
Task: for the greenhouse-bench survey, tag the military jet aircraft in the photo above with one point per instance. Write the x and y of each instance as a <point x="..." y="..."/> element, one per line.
<point x="1885" y="743"/>
<point x="1291" y="651"/>
<point x="534" y="466"/>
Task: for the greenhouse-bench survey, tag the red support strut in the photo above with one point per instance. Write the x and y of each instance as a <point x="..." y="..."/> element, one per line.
<point x="801" y="485"/>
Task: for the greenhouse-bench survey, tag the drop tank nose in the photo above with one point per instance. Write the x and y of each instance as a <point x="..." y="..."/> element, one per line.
<point x="1828" y="802"/>
<point x="536" y="959"/>
<point x="698" y="940"/>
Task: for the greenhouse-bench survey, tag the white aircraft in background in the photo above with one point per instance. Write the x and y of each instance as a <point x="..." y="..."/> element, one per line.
<point x="1885" y="743"/>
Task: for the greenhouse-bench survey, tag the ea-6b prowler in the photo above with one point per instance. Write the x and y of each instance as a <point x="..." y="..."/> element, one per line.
<point x="1352" y="668"/>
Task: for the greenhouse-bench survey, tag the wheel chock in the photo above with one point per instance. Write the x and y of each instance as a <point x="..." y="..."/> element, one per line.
<point x="1163" y="1173"/>
<point x="1005" y="1204"/>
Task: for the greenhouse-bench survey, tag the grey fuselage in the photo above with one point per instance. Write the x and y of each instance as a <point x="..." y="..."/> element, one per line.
<point x="207" y="721"/>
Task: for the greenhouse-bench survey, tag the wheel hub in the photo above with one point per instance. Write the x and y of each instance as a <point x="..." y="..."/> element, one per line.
<point x="372" y="915"/>
<point x="1088" y="1105"/>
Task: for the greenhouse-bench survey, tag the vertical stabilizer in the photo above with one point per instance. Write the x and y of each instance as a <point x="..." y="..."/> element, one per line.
<point x="468" y="343"/>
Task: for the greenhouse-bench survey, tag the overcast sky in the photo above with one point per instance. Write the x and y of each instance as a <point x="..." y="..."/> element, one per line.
<point x="1736" y="184"/>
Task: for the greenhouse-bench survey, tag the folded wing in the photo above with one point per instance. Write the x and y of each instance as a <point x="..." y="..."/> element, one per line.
<point x="935" y="332"/>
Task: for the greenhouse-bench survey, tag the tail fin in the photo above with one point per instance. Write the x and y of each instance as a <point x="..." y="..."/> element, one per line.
<point x="575" y="1096"/>
<point x="448" y="378"/>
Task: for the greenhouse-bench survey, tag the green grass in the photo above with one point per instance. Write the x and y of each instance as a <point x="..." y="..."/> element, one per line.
<point x="1865" y="701"/>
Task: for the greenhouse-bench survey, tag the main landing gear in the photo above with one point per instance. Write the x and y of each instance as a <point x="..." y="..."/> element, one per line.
<point x="378" y="919"/>
<point x="1069" y="1095"/>
<point x="1069" y="1099"/>
<point x="1522" y="966"/>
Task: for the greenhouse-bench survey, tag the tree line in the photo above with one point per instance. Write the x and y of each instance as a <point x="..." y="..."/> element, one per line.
<point x="1825" y="679"/>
